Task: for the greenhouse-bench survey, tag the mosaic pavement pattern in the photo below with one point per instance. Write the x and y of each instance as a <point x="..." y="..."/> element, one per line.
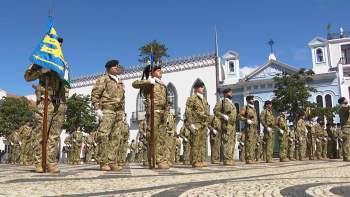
<point x="307" y="178"/>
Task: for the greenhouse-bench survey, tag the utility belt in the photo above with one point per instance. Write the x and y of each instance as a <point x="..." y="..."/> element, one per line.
<point x="159" y="107"/>
<point x="201" y="119"/>
<point x="113" y="108"/>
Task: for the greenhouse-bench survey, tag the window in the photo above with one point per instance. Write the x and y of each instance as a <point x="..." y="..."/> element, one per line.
<point x="238" y="126"/>
<point x="319" y="53"/>
<point x="345" y="51"/>
<point x="141" y="104"/>
<point x="328" y="100"/>
<point x="257" y="108"/>
<point x="319" y="101"/>
<point x="193" y="91"/>
<point x="232" y="67"/>
<point x="172" y="96"/>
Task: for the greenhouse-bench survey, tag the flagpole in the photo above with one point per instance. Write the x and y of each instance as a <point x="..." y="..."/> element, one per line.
<point x="45" y="126"/>
<point x="152" y="115"/>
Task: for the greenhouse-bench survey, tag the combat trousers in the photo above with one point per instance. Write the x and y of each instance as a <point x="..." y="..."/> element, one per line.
<point x="297" y="150"/>
<point x="269" y="138"/>
<point x="96" y="153"/>
<point x="215" y="142"/>
<point x="173" y="150"/>
<point x="108" y="136"/>
<point x="140" y="156"/>
<point x="89" y="154"/>
<point x="302" y="148"/>
<point x="311" y="148"/>
<point x="330" y="149"/>
<point x="68" y="156"/>
<point x="341" y="149"/>
<point x="346" y="144"/>
<point x="187" y="151"/>
<point x="15" y="152"/>
<point x="258" y="152"/>
<point x="177" y="154"/>
<point x="145" y="155"/>
<point x="55" y="118"/>
<point x="25" y="151"/>
<point x="242" y="153"/>
<point x="250" y="142"/>
<point x="123" y="150"/>
<point x="263" y="154"/>
<point x="132" y="157"/>
<point x="283" y="146"/>
<point x="229" y="142"/>
<point x="169" y="147"/>
<point x="291" y="150"/>
<point x="76" y="152"/>
<point x="197" y="141"/>
<point x="159" y="137"/>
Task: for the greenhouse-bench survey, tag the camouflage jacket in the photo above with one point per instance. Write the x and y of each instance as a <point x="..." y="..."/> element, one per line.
<point x="214" y="123"/>
<point x="111" y="94"/>
<point x="245" y="115"/>
<point x="171" y="127"/>
<point x="225" y="107"/>
<point x="196" y="110"/>
<point x="143" y="127"/>
<point x="268" y="120"/>
<point x="319" y="132"/>
<point x="185" y="133"/>
<point x="25" y="133"/>
<point x="178" y="143"/>
<point x="140" y="146"/>
<point x="78" y="136"/>
<point x="344" y="116"/>
<point x="291" y="135"/>
<point x="281" y="123"/>
<point x="160" y="93"/>
<point x="301" y="129"/>
<point x="132" y="147"/>
<point x="126" y="132"/>
<point x="89" y="140"/>
<point x="338" y="133"/>
<point x="241" y="137"/>
<point x="68" y="139"/>
<point x="14" y="138"/>
<point x="311" y="130"/>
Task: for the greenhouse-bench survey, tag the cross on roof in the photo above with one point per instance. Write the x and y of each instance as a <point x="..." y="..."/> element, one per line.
<point x="271" y="42"/>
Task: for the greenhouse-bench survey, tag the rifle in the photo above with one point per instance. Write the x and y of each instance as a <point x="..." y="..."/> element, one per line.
<point x="223" y="122"/>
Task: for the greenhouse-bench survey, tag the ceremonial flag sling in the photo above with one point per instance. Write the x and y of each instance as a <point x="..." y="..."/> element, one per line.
<point x="150" y="63"/>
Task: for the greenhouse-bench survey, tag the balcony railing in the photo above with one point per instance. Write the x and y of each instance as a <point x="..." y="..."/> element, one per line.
<point x="141" y="115"/>
<point x="346" y="34"/>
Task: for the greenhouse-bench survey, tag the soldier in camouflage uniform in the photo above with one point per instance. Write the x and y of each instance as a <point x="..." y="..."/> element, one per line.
<point x="241" y="141"/>
<point x="111" y="91"/>
<point x="197" y="116"/>
<point x="145" y="152"/>
<point x="143" y="128"/>
<point x="89" y="141"/>
<point x="170" y="130"/>
<point x="259" y="147"/>
<point x="14" y="140"/>
<point x="185" y="134"/>
<point x="291" y="142"/>
<point x="160" y="103"/>
<point x="311" y="135"/>
<point x="250" y="118"/>
<point x="339" y="135"/>
<point x="282" y="135"/>
<point x="345" y="125"/>
<point x="334" y="141"/>
<point x="32" y="145"/>
<point x="301" y="136"/>
<point x="58" y="94"/>
<point x="123" y="147"/>
<point x="214" y="125"/>
<point x="77" y="142"/>
<point x="268" y="121"/>
<point x="96" y="147"/>
<point x="321" y="140"/>
<point x="173" y="148"/>
<point x="178" y="149"/>
<point x="68" y="142"/>
<point x="132" y="147"/>
<point x="140" y="151"/>
<point x="330" y="140"/>
<point x="226" y="111"/>
<point x="25" y="134"/>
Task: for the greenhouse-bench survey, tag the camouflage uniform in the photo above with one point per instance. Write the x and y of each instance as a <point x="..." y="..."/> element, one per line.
<point x="268" y="121"/>
<point x="251" y="131"/>
<point x="215" y="139"/>
<point x="112" y="94"/>
<point x="259" y="147"/>
<point x="96" y="148"/>
<point x="301" y="133"/>
<point x="178" y="150"/>
<point x="15" y="149"/>
<point x="77" y="145"/>
<point x="171" y="131"/>
<point x="291" y="144"/>
<point x="55" y="111"/>
<point x="241" y="139"/>
<point x="132" y="148"/>
<point x="89" y="141"/>
<point x="160" y="100"/>
<point x="31" y="156"/>
<point x="143" y="128"/>
<point x="345" y="125"/>
<point x="330" y="142"/>
<point x="185" y="133"/>
<point x="197" y="114"/>
<point x="145" y="151"/>
<point x="123" y="148"/>
<point x="311" y="135"/>
<point x="321" y="144"/>
<point x="339" y="136"/>
<point x="68" y="142"/>
<point x="140" y="152"/>
<point x="228" y="128"/>
<point x="282" y="138"/>
<point x="25" y="134"/>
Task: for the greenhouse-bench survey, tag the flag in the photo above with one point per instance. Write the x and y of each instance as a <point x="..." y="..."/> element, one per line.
<point x="147" y="68"/>
<point x="48" y="54"/>
<point x="150" y="60"/>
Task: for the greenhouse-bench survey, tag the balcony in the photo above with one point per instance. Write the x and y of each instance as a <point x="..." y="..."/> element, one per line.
<point x="141" y="115"/>
<point x="346" y="34"/>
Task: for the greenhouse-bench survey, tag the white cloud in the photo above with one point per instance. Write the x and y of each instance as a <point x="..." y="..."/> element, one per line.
<point x="300" y="53"/>
<point x="246" y="71"/>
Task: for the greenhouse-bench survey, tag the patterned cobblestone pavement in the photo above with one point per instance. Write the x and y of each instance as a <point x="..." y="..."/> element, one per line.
<point x="307" y="178"/>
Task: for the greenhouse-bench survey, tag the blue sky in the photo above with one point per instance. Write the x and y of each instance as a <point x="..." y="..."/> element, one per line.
<point x="97" y="31"/>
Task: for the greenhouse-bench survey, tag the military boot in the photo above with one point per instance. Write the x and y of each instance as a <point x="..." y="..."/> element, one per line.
<point x="53" y="169"/>
<point x="163" y="166"/>
<point x="346" y="158"/>
<point x="114" y="167"/>
<point x="250" y="162"/>
<point x="196" y="165"/>
<point x="105" y="167"/>
<point x="256" y="162"/>
<point x="304" y="159"/>
<point x="215" y="162"/>
<point x="21" y="163"/>
<point x="292" y="159"/>
<point x="170" y="164"/>
<point x="155" y="167"/>
<point x="187" y="163"/>
<point x="270" y="161"/>
<point x="229" y="163"/>
<point x="39" y="169"/>
<point x="284" y="160"/>
<point x="204" y="164"/>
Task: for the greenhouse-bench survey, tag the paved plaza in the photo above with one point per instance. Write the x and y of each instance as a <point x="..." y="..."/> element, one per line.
<point x="307" y="178"/>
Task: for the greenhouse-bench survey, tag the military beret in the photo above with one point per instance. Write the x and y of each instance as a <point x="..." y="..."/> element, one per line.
<point x="227" y="90"/>
<point x="156" y="68"/>
<point x="111" y="63"/>
<point x="198" y="84"/>
<point x="322" y="123"/>
<point x="291" y="125"/>
<point x="30" y="125"/>
<point x="133" y="140"/>
<point x="60" y="40"/>
<point x="249" y="97"/>
<point x="34" y="128"/>
<point x="328" y="124"/>
<point x="27" y="121"/>
<point x="338" y="124"/>
<point x="341" y="99"/>
<point x="281" y="109"/>
<point x="301" y="114"/>
<point x="268" y="102"/>
<point x="333" y="124"/>
<point x="16" y="128"/>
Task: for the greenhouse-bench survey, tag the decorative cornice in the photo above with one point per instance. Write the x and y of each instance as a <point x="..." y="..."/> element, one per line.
<point x="136" y="71"/>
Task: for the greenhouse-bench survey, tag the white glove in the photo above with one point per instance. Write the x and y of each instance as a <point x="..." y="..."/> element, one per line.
<point x="152" y="81"/>
<point x="268" y="129"/>
<point x="258" y="144"/>
<point x="249" y="121"/>
<point x="306" y="131"/>
<point x="281" y="131"/>
<point x="95" y="144"/>
<point x="144" y="134"/>
<point x="20" y="143"/>
<point x="290" y="139"/>
<point x="158" y="80"/>
<point x="300" y="139"/>
<point x="139" y="148"/>
<point x="185" y="139"/>
<point x="45" y="70"/>
<point x="335" y="139"/>
<point x="33" y="146"/>
<point x="242" y="143"/>
<point x="87" y="145"/>
<point x="11" y="144"/>
<point x="325" y="139"/>
<point x="226" y="117"/>
<point x="317" y="140"/>
<point x="192" y="127"/>
<point x="341" y="139"/>
<point x="99" y="114"/>
<point x="176" y="147"/>
<point x="215" y="132"/>
<point x="261" y="133"/>
<point x="74" y="140"/>
<point x="297" y="142"/>
<point x="329" y="139"/>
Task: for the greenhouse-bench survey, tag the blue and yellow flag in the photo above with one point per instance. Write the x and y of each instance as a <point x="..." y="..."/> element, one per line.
<point x="49" y="54"/>
<point x="150" y="60"/>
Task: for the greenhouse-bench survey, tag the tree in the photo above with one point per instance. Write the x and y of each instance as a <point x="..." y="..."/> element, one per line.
<point x="13" y="113"/>
<point x="293" y="92"/>
<point x="328" y="112"/>
<point x="79" y="113"/>
<point x="159" y="51"/>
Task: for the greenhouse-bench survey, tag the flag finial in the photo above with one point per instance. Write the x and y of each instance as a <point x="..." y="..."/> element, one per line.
<point x="50" y="12"/>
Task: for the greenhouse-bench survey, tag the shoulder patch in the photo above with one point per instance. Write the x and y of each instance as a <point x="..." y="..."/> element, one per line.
<point x="97" y="82"/>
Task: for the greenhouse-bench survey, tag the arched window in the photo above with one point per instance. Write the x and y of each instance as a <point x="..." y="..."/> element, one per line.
<point x="257" y="108"/>
<point x="232" y="67"/>
<point x="193" y="91"/>
<point x="328" y="100"/>
<point x="140" y="102"/>
<point x="319" y="101"/>
<point x="238" y="126"/>
<point x="172" y="96"/>
<point x="319" y="53"/>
